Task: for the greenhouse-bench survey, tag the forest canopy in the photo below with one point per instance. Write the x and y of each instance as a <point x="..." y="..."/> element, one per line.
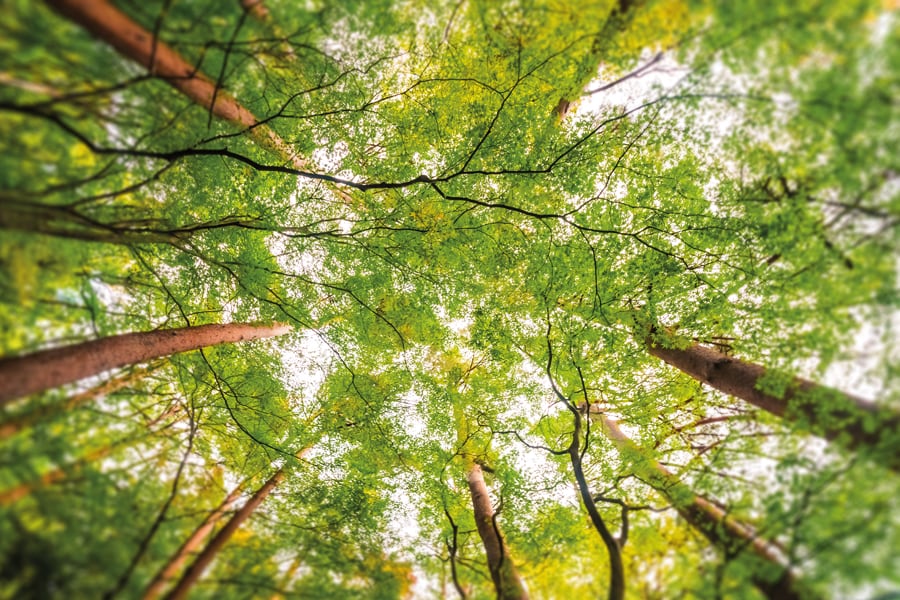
<point x="438" y="299"/>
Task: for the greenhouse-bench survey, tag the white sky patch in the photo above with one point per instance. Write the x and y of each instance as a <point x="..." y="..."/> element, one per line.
<point x="635" y="91"/>
<point x="861" y="373"/>
<point x="329" y="156"/>
<point x="406" y="413"/>
<point x="307" y="363"/>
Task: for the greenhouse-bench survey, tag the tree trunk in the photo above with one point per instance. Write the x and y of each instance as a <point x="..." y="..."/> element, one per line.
<point x="171" y="569"/>
<point x="824" y="411"/>
<point x="130" y="39"/>
<point x="725" y="533"/>
<point x="47" y="369"/>
<point x="19" y="422"/>
<point x="613" y="548"/>
<point x="506" y="579"/>
<point x="61" y="221"/>
<point x="195" y="571"/>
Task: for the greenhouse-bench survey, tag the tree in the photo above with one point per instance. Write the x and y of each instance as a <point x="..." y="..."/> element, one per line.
<point x="723" y="531"/>
<point x="51" y="368"/>
<point x="106" y="22"/>
<point x="470" y="214"/>
<point x="503" y="572"/>
<point x="201" y="563"/>
<point x="824" y="411"/>
<point x="171" y="569"/>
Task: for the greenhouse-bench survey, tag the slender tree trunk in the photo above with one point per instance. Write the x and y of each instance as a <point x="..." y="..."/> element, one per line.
<point x="171" y="569"/>
<point x="17" y="423"/>
<point x="200" y="564"/>
<point x="130" y="39"/>
<point x="613" y="549"/>
<point x="724" y="532"/>
<point x="506" y="579"/>
<point x="824" y="411"/>
<point x="59" y="221"/>
<point x="47" y="369"/>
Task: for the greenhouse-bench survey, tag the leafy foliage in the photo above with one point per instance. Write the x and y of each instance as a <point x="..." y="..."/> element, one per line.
<point x="475" y="215"/>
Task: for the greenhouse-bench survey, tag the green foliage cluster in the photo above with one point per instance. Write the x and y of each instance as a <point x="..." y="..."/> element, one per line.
<point x="463" y="266"/>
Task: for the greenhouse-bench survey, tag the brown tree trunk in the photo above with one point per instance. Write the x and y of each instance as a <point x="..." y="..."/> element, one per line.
<point x="171" y="569"/>
<point x="130" y="39"/>
<point x="17" y="423"/>
<point x="63" y="222"/>
<point x="506" y="579"/>
<point x="47" y="369"/>
<point x="195" y="571"/>
<point x="724" y="532"/>
<point x="822" y="410"/>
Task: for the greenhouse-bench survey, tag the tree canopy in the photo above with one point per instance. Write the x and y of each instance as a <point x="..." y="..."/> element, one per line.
<point x="595" y="299"/>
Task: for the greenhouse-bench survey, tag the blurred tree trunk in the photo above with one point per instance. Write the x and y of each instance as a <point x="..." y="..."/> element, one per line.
<point x="200" y="564"/>
<point x="724" y="532"/>
<point x="506" y="579"/>
<point x="171" y="569"/>
<point x="39" y="371"/>
<point x="824" y="411"/>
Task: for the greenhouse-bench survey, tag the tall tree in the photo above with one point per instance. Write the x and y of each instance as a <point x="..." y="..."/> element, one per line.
<point x="507" y="581"/>
<point x="209" y="552"/>
<point x="822" y="410"/>
<point x="47" y="369"/>
<point x="192" y="544"/>
<point x="725" y="532"/>
<point x="114" y="27"/>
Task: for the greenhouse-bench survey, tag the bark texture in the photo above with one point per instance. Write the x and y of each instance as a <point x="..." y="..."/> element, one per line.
<point x="821" y="410"/>
<point x="774" y="579"/>
<point x="171" y="569"/>
<point x="105" y="22"/>
<point x="200" y="564"/>
<point x="19" y="422"/>
<point x="47" y="369"/>
<point x="506" y="579"/>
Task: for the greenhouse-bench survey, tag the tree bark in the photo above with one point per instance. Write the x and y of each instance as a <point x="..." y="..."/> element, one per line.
<point x="613" y="549"/>
<point x="200" y="564"/>
<point x="19" y="422"/>
<point x="171" y="569"/>
<point x="726" y="533"/>
<point x="824" y="411"/>
<point x="39" y="371"/>
<point x="107" y="23"/>
<point x="506" y="579"/>
<point x="256" y="8"/>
